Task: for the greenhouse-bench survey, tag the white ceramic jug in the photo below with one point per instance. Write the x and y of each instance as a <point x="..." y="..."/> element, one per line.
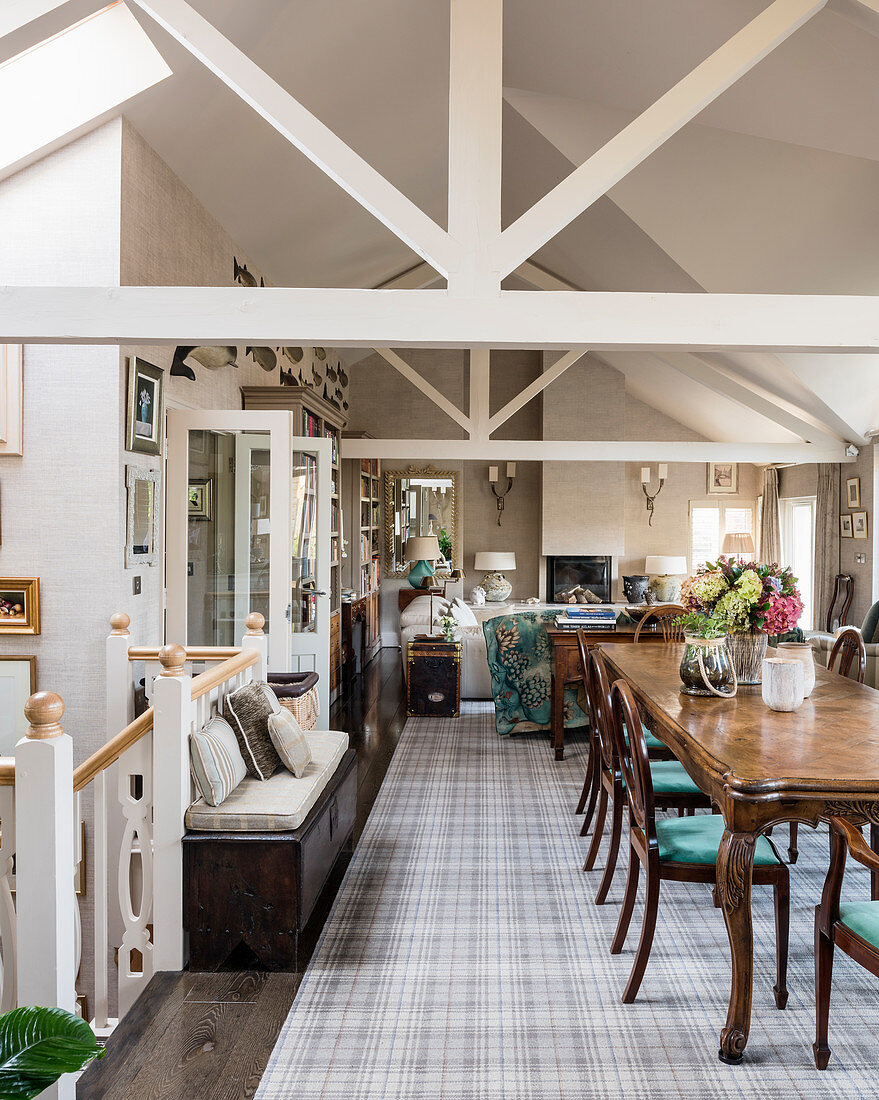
<point x="800" y="651"/>
<point x="783" y="683"/>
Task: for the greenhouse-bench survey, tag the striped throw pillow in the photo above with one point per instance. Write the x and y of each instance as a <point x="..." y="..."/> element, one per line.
<point x="217" y="764"/>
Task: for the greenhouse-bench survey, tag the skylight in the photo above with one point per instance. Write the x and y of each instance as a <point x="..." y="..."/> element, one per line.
<point x="73" y="81"/>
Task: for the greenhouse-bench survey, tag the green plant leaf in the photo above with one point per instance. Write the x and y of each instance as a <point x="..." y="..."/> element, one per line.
<point x="38" y="1045"/>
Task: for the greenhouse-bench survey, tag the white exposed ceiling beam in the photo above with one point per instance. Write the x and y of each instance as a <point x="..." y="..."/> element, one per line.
<point x="599" y="450"/>
<point x="542" y="278"/>
<point x="273" y="103"/>
<point x="431" y="318"/>
<point x="534" y="388"/>
<point x="429" y="391"/>
<point x="619" y="156"/>
<point x="475" y="126"/>
<point x="15" y="14"/>
<point x="480" y="392"/>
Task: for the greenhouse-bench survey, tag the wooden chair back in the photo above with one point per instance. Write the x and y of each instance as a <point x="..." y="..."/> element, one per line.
<point x="586" y="669"/>
<point x="604" y="731"/>
<point x="848" y="645"/>
<point x="664" y="614"/>
<point x="633" y="759"/>
<point x="843" y="593"/>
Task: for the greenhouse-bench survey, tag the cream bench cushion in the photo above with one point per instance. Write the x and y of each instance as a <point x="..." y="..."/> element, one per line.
<point x="277" y="804"/>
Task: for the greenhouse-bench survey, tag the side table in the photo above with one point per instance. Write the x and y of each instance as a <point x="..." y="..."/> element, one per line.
<point x="433" y="677"/>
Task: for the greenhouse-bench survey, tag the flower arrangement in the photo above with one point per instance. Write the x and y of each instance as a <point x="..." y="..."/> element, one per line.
<point x="449" y="626"/>
<point x="731" y="596"/>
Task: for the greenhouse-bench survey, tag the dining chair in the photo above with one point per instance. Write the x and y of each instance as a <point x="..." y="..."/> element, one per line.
<point x="664" y="616"/>
<point x="848" y="645"/>
<point x="851" y="926"/>
<point x="677" y="849"/>
<point x="840" y="601"/>
<point x="673" y="787"/>
<point x="591" y="784"/>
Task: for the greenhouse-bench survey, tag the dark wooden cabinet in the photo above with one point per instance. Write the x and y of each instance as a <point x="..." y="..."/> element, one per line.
<point x="407" y="594"/>
<point x="433" y="677"/>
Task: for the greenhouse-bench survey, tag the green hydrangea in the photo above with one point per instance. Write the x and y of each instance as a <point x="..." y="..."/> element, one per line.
<point x="749" y="586"/>
<point x="708" y="586"/>
<point x="733" y="611"/>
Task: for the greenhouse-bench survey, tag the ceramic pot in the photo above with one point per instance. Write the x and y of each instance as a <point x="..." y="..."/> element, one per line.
<point x="419" y="571"/>
<point x="666" y="587"/>
<point x="803" y="652"/>
<point x="497" y="587"/>
<point x="706" y="668"/>
<point x="747" y="652"/>
<point x="782" y="683"/>
<point x="635" y="588"/>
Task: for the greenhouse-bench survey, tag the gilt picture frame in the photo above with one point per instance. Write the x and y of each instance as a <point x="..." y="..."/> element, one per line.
<point x="853" y="492"/>
<point x="201" y="498"/>
<point x="19" y="605"/>
<point x="845" y="527"/>
<point x="142" y="527"/>
<point x="859" y="525"/>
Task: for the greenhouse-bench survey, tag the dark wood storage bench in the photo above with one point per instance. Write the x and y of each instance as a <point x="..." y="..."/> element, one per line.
<point x="260" y="888"/>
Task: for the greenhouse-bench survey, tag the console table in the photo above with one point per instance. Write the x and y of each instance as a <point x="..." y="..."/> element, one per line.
<point x="566" y="667"/>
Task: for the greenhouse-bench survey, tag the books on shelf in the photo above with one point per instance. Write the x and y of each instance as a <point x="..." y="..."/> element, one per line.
<point x="586" y="611"/>
<point x="578" y="622"/>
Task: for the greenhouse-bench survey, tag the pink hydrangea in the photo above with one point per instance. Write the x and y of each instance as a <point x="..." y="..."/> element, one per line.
<point x="783" y="614"/>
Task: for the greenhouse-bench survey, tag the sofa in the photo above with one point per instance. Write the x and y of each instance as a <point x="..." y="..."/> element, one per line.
<point x="822" y="643"/>
<point x="475" y="678"/>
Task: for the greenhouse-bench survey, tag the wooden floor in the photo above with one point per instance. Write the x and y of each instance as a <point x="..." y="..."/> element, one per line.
<point x="209" y="1036"/>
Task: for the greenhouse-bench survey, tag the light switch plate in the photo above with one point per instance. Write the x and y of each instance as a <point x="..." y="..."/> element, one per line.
<point x="135" y="586"/>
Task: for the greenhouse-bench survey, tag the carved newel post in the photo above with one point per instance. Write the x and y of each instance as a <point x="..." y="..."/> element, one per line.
<point x="172" y="708"/>
<point x="255" y="638"/>
<point x="44" y="862"/>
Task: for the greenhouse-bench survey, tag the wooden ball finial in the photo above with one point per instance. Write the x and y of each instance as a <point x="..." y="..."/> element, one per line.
<point x="120" y="622"/>
<point x="172" y="659"/>
<point x="255" y="623"/>
<point x="44" y="711"/>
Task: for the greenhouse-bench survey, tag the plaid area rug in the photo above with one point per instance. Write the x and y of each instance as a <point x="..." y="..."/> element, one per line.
<point x="464" y="957"/>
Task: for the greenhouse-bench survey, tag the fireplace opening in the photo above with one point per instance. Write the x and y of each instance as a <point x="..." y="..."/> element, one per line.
<point x="564" y="572"/>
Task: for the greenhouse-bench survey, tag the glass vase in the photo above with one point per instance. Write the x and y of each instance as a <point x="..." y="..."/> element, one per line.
<point x="706" y="668"/>
<point x="747" y="652"/>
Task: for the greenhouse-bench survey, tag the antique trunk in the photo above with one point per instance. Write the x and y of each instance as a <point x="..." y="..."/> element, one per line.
<point x="433" y="678"/>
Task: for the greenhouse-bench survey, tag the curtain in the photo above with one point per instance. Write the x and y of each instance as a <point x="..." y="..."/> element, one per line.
<point x="770" y="531"/>
<point x="826" y="539"/>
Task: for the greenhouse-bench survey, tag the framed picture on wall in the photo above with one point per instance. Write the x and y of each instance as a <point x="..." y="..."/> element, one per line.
<point x="19" y="605"/>
<point x="18" y="681"/>
<point x="201" y="498"/>
<point x="853" y="492"/>
<point x="859" y="525"/>
<point x="146" y="407"/>
<point x="723" y="477"/>
<point x="845" y="527"/>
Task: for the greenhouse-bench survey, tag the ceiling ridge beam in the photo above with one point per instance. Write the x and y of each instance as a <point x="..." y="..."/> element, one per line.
<point x="597" y="450"/>
<point x="539" y="384"/>
<point x="429" y="391"/>
<point x="633" y="144"/>
<point x="302" y="129"/>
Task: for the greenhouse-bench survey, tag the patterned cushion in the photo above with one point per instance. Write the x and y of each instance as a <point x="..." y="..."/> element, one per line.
<point x="282" y="802"/>
<point x="520" y="664"/>
<point x="862" y="917"/>
<point x="696" y="840"/>
<point x="217" y="764"/>
<point x="290" y="742"/>
<point x="247" y="711"/>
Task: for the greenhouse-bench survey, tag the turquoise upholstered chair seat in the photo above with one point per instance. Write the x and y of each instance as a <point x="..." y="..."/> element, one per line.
<point x="670" y="777"/>
<point x="652" y="740"/>
<point x="862" y="917"/>
<point x="696" y="840"/>
<point x="520" y="663"/>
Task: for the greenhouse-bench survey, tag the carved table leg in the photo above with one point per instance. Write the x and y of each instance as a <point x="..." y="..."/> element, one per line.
<point x="557" y="716"/>
<point x="735" y="864"/>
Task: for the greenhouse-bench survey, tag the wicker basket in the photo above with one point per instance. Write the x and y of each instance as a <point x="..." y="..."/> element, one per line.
<point x="305" y="709"/>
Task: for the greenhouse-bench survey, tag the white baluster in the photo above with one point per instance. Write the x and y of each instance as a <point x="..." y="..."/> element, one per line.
<point x="135" y="950"/>
<point x="8" y="936"/>
<point x="171" y="798"/>
<point x="256" y="639"/>
<point x="45" y="856"/>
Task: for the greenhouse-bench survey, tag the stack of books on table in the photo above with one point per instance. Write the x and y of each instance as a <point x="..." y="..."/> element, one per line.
<point x="587" y="617"/>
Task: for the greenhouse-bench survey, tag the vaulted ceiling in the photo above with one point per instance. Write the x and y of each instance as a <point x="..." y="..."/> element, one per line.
<point x="774" y="188"/>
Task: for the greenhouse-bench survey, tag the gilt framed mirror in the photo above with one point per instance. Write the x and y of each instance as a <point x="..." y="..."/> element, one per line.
<point x="420" y="501"/>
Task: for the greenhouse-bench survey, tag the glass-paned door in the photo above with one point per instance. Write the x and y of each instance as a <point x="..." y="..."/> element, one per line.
<point x="248" y="529"/>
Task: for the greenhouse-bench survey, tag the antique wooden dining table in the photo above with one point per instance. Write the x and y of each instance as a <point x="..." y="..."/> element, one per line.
<point x="761" y="768"/>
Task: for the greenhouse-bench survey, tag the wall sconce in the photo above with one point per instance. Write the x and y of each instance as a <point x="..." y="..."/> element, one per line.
<point x="645" y="481"/>
<point x="493" y="480"/>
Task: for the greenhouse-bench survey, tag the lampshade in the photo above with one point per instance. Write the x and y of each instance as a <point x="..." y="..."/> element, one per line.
<point x="422" y="548"/>
<point x="663" y="565"/>
<point x="491" y="561"/>
<point x="737" y="542"/>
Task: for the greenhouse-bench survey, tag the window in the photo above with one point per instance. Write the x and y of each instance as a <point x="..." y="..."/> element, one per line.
<point x="709" y="522"/>
<point x="798" y="549"/>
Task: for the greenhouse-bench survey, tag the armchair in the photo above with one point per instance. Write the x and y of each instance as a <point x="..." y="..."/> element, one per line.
<point x="823" y="642"/>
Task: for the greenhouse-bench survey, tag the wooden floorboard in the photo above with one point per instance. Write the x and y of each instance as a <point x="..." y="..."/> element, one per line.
<point x="209" y="1036"/>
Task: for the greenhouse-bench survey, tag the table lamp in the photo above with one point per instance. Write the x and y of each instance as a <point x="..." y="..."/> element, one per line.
<point x="422" y="551"/>
<point x="738" y="544"/>
<point x="665" y="571"/>
<point x="496" y="585"/>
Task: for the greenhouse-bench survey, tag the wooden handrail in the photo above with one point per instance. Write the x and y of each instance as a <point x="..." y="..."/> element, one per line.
<point x="108" y="754"/>
<point x="7" y="771"/>
<point x="193" y="653"/>
<point x="213" y="677"/>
